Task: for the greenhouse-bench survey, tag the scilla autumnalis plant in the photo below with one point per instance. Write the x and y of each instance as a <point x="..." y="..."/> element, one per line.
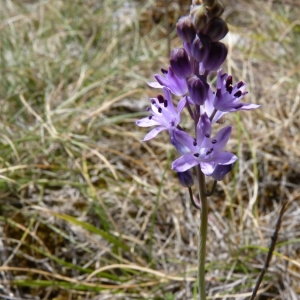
<point x="201" y="154"/>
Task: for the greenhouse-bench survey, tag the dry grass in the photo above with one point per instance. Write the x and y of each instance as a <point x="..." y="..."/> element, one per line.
<point x="88" y="211"/>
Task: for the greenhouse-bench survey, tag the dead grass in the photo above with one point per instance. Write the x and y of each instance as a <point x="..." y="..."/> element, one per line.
<point x="88" y="211"/>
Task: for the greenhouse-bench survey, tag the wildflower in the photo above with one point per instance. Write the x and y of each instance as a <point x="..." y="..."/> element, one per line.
<point x="177" y="85"/>
<point x="209" y="109"/>
<point x="204" y="151"/>
<point x="163" y="114"/>
<point x="227" y="97"/>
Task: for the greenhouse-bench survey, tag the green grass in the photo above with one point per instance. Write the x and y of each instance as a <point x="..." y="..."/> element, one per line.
<point x="88" y="211"/>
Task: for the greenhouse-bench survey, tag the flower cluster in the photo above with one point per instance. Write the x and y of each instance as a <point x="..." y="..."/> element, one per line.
<point x="187" y="78"/>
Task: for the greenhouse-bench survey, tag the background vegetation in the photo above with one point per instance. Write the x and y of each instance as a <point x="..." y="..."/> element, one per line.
<point x="88" y="211"/>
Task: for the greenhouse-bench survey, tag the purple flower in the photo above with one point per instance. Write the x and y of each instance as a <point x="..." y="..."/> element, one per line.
<point x="177" y="86"/>
<point x="209" y="109"/>
<point x="204" y="150"/>
<point x="227" y="97"/>
<point x="163" y="114"/>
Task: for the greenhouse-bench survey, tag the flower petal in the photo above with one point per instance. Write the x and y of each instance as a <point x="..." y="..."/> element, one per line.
<point x="184" y="162"/>
<point x="155" y="84"/>
<point x="207" y="167"/>
<point x="222" y="138"/>
<point x="153" y="133"/>
<point x="225" y="158"/>
<point x="146" y="122"/>
<point x="185" y="139"/>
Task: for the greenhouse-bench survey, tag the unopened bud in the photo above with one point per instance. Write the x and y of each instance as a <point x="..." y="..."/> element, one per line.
<point x="216" y="10"/>
<point x="198" y="89"/>
<point x="217" y="55"/>
<point x="196" y="2"/>
<point x="220" y="171"/>
<point x="185" y="29"/>
<point x="186" y="178"/>
<point x="209" y="3"/>
<point x="200" y="47"/>
<point x="216" y="29"/>
<point x="180" y="63"/>
<point x="199" y="16"/>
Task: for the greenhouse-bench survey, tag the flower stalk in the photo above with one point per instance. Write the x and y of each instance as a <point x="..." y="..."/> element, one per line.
<point x="202" y="234"/>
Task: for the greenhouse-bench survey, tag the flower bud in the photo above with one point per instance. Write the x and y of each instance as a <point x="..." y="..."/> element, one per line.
<point x="185" y="29"/>
<point x="198" y="89"/>
<point x="220" y="171"/>
<point x="209" y="3"/>
<point x="199" y="16"/>
<point x="216" y="29"/>
<point x="196" y="2"/>
<point x="180" y="63"/>
<point x="186" y="178"/>
<point x="200" y="47"/>
<point x="215" y="57"/>
<point x="216" y="10"/>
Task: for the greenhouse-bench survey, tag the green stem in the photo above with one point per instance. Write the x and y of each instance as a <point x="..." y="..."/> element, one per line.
<point x="202" y="234"/>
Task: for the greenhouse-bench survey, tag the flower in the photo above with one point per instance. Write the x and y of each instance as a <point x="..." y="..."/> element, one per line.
<point x="163" y="114"/>
<point x="204" y="151"/>
<point x="227" y="97"/>
<point x="177" y="86"/>
<point x="209" y="109"/>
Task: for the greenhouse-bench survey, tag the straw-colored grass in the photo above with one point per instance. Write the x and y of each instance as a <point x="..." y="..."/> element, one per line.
<point x="88" y="211"/>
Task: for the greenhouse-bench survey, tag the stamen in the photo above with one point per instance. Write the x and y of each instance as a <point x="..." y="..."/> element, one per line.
<point x="195" y="143"/>
<point x="148" y="108"/>
<point x="160" y="99"/>
<point x="239" y="84"/>
<point x="214" y="141"/>
<point x="164" y="71"/>
<point x="153" y="101"/>
<point x="238" y="94"/>
<point x="150" y="117"/>
<point x="165" y="103"/>
<point x="228" y="82"/>
<point x="229" y="89"/>
<point x="207" y="135"/>
<point x="196" y="154"/>
<point x="159" y="110"/>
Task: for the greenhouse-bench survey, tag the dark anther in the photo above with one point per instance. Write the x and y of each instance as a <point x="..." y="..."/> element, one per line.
<point x="240" y="84"/>
<point x="165" y="103"/>
<point x="196" y="154"/>
<point x="238" y="94"/>
<point x="229" y="89"/>
<point x="153" y="101"/>
<point x="148" y="108"/>
<point x="150" y="117"/>
<point x="213" y="141"/>
<point x="207" y="135"/>
<point x="159" y="110"/>
<point x="172" y="123"/>
<point x="195" y="143"/>
<point x="228" y="82"/>
<point x="164" y="71"/>
<point x="160" y="99"/>
<point x="209" y="151"/>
